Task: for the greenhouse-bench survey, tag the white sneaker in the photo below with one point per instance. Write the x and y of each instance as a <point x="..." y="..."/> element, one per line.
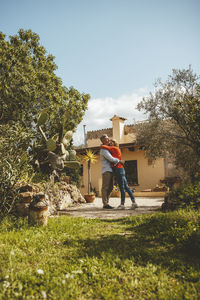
<point x="134" y="206"/>
<point x="121" y="206"/>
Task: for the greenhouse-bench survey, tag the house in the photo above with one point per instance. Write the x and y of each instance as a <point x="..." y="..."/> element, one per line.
<point x="141" y="173"/>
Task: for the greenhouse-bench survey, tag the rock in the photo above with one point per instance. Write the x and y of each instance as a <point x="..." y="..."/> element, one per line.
<point x="26" y="188"/>
<point x="63" y="195"/>
<point x="39" y="197"/>
<point x="65" y="202"/>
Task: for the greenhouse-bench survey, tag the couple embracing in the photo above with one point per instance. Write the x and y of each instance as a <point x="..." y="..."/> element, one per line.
<point x="113" y="165"/>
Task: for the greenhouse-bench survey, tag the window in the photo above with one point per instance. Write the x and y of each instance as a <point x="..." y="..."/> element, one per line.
<point x="81" y="170"/>
<point x="131" y="172"/>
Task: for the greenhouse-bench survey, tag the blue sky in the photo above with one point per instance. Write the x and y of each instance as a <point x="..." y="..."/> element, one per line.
<point x="112" y="49"/>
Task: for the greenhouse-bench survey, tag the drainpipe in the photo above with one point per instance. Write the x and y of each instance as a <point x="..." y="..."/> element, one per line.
<point x="85" y="137"/>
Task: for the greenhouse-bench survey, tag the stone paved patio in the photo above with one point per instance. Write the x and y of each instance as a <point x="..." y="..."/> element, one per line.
<point x="147" y="205"/>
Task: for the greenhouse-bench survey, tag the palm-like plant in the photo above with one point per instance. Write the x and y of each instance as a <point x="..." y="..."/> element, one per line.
<point x="90" y="158"/>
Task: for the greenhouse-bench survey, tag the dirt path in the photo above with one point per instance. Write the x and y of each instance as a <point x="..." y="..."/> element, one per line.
<point x="147" y="205"/>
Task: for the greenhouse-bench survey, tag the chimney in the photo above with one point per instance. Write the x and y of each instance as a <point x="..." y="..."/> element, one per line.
<point x="85" y="136"/>
<point x="118" y="128"/>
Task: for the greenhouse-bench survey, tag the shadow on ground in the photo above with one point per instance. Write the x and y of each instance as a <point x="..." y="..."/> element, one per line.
<point x="145" y="243"/>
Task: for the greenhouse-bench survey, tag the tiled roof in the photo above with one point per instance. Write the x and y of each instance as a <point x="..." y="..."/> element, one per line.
<point x="129" y="129"/>
<point x="96" y="134"/>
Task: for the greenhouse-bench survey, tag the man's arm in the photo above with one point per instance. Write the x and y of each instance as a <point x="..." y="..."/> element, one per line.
<point x="106" y="154"/>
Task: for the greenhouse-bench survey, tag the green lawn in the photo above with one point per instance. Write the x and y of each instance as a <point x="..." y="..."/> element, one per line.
<point x="143" y="257"/>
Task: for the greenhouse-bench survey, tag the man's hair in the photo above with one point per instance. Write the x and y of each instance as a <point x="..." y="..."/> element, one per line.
<point x="103" y="137"/>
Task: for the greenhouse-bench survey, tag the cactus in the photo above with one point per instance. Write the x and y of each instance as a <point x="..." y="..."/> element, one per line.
<point x="65" y="142"/>
<point x="43" y="117"/>
<point x="64" y="151"/>
<point x="72" y="154"/>
<point x="72" y="164"/>
<point x="51" y="144"/>
<point x="58" y="143"/>
<point x="68" y="135"/>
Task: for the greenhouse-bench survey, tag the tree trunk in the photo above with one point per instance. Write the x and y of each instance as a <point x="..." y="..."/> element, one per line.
<point x="89" y="178"/>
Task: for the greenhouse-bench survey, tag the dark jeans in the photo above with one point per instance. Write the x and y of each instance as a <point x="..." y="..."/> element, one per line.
<point x="123" y="184"/>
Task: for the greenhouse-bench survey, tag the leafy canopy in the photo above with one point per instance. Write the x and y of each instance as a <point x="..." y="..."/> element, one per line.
<point x="28" y="84"/>
<point x="173" y="126"/>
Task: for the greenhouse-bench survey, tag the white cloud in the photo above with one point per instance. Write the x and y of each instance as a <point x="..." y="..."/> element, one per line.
<point x="101" y="110"/>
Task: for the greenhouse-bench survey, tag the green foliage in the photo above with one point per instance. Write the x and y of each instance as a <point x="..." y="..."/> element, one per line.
<point x="39" y="177"/>
<point x="68" y="136"/>
<point x="43" y="117"/>
<point x="72" y="154"/>
<point x="28" y="85"/>
<point x="59" y="152"/>
<point x="73" y="173"/>
<point x="180" y="228"/>
<point x="174" y="121"/>
<point x="51" y="145"/>
<point x="140" y="257"/>
<point x="187" y="195"/>
<point x="14" y="163"/>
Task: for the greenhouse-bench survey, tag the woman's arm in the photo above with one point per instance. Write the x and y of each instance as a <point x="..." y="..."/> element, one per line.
<point x="106" y="147"/>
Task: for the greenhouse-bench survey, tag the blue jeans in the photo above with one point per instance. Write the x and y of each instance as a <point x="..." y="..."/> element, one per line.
<point x="123" y="184"/>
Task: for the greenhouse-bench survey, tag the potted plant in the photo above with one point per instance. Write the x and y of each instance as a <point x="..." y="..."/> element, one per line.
<point x="90" y="158"/>
<point x="89" y="197"/>
<point x="115" y="191"/>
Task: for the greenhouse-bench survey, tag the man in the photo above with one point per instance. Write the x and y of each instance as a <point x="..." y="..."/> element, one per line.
<point x="107" y="174"/>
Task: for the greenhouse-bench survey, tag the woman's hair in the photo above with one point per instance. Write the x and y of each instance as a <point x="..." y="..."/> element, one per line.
<point x="115" y="143"/>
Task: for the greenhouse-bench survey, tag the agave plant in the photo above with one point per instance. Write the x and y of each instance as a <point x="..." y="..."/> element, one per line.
<point x="90" y="158"/>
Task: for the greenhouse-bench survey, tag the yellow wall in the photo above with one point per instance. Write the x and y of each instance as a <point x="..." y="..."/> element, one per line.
<point x="148" y="175"/>
<point x="95" y="170"/>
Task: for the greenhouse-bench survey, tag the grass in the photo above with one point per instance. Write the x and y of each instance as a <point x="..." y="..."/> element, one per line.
<point x="143" y="257"/>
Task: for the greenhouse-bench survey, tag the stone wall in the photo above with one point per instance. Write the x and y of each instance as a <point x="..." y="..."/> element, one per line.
<point x="57" y="196"/>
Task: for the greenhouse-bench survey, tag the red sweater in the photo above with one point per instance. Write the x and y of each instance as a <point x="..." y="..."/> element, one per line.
<point x="116" y="152"/>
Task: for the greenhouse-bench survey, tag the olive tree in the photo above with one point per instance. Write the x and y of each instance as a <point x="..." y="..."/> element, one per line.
<point x="173" y="121"/>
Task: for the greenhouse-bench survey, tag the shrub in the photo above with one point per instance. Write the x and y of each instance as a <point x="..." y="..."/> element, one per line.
<point x="74" y="175"/>
<point x="14" y="164"/>
<point x="179" y="229"/>
<point x="184" y="196"/>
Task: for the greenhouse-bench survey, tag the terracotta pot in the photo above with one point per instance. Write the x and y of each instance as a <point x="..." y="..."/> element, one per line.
<point x="22" y="209"/>
<point x="89" y="198"/>
<point x="116" y="194"/>
<point x="38" y="215"/>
